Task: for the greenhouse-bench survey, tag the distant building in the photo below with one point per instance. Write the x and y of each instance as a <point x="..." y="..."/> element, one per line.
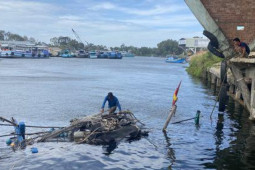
<point x="21" y="45"/>
<point x="194" y="44"/>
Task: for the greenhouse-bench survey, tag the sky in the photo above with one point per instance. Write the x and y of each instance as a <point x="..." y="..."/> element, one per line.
<point x="102" y="22"/>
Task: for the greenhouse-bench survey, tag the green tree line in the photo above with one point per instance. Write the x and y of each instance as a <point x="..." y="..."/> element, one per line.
<point x="8" y="36"/>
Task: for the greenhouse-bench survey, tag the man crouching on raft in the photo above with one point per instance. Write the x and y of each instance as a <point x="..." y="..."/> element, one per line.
<point x="113" y="103"/>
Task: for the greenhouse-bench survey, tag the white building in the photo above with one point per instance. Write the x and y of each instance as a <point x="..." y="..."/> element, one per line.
<point x="20" y="45"/>
<point x="194" y="44"/>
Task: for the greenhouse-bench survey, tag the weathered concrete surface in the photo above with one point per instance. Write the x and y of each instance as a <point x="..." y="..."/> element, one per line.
<point x="253" y="97"/>
<point x="235" y="91"/>
<point x="215" y="70"/>
<point x="243" y="60"/>
<point x="241" y="84"/>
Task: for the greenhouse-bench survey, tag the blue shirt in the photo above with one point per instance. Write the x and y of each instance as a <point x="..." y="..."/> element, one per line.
<point x="112" y="103"/>
<point x="247" y="49"/>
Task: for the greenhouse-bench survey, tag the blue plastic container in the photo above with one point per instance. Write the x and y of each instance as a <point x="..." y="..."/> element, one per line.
<point x="34" y="150"/>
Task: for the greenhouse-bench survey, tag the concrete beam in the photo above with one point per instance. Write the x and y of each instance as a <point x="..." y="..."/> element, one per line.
<point x="210" y="25"/>
<point x="252" y="116"/>
<point x="242" y="86"/>
<point x="243" y="60"/>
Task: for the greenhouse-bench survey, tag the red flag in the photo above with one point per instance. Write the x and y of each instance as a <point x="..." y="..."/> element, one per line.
<point x="176" y="93"/>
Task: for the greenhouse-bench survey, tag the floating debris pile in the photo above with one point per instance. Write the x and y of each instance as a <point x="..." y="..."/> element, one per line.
<point x="96" y="129"/>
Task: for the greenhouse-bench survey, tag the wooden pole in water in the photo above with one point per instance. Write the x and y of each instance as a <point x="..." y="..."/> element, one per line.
<point x="173" y="109"/>
<point x="171" y="113"/>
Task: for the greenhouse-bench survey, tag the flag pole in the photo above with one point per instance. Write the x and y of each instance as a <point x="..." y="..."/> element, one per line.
<point x="173" y="109"/>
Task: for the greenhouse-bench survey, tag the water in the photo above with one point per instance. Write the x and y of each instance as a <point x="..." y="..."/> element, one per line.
<point x="53" y="91"/>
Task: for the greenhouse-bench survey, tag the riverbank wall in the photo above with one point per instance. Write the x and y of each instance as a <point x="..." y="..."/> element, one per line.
<point x="247" y="65"/>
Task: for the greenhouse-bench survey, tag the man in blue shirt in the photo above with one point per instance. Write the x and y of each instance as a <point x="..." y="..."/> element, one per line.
<point x="113" y="103"/>
<point x="241" y="47"/>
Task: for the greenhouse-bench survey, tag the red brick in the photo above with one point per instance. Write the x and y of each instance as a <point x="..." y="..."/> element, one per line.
<point x="232" y="13"/>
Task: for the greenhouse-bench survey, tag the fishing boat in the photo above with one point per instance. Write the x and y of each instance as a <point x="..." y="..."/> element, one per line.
<point x="103" y="54"/>
<point x="66" y="54"/>
<point x="115" y="55"/>
<point x="92" y="55"/>
<point x="173" y="59"/>
<point x="82" y="54"/>
<point x="7" y="54"/>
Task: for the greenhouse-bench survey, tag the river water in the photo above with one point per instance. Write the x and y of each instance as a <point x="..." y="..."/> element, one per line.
<point x="54" y="91"/>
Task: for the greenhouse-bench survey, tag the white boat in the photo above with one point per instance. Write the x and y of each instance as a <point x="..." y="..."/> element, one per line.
<point x="92" y="55"/>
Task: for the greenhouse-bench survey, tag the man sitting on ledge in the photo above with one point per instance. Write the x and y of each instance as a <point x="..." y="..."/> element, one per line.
<point x="242" y="48"/>
<point x="113" y="103"/>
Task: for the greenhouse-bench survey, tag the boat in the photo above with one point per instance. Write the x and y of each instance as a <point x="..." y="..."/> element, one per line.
<point x="66" y="54"/>
<point x="103" y="54"/>
<point x="31" y="53"/>
<point x="115" y="55"/>
<point x="7" y="54"/>
<point x="92" y="55"/>
<point x="82" y="54"/>
<point x="127" y="54"/>
<point x="173" y="59"/>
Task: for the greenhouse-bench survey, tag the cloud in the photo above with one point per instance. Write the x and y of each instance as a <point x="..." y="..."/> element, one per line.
<point x="104" y="6"/>
<point x="141" y="24"/>
<point x="155" y="10"/>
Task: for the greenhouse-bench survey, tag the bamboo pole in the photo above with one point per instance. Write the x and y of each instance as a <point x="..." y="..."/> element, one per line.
<point x="171" y="113"/>
<point x="6" y="120"/>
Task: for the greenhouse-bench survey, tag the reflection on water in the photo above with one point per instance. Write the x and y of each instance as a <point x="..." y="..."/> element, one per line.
<point x="170" y="151"/>
<point x="54" y="91"/>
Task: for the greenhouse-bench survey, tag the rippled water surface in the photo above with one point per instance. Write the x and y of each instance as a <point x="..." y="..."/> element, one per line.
<point x="54" y="91"/>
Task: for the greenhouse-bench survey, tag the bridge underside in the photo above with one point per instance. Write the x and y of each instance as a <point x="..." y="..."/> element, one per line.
<point x="220" y="18"/>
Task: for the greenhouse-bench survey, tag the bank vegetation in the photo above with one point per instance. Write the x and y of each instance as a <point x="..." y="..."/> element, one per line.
<point x="199" y="63"/>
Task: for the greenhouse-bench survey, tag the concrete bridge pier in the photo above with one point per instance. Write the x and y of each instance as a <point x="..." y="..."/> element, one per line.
<point x="231" y="89"/>
<point x="213" y="79"/>
<point x="218" y="82"/>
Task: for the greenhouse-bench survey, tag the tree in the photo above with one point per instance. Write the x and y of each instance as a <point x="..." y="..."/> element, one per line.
<point x="169" y="47"/>
<point x="2" y="33"/>
<point x="31" y="39"/>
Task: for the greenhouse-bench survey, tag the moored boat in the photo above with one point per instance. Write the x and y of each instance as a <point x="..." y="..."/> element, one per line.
<point x="103" y="54"/>
<point x="115" y="55"/>
<point x="7" y="54"/>
<point x="175" y="60"/>
<point x="66" y="54"/>
<point x="82" y="54"/>
<point x="92" y="55"/>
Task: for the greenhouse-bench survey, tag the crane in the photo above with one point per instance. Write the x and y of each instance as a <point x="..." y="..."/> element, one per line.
<point x="78" y="37"/>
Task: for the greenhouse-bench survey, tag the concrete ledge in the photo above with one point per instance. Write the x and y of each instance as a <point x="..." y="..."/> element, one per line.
<point x="215" y="70"/>
<point x="243" y="60"/>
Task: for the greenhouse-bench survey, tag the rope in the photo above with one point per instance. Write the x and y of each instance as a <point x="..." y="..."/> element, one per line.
<point x="31" y="126"/>
<point x="183" y="120"/>
<point x="218" y="94"/>
<point x="36" y="133"/>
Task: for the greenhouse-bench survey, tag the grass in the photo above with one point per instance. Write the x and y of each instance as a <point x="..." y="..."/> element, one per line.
<point x="200" y="62"/>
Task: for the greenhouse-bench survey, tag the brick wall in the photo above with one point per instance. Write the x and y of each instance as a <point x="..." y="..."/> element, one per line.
<point x="229" y="14"/>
